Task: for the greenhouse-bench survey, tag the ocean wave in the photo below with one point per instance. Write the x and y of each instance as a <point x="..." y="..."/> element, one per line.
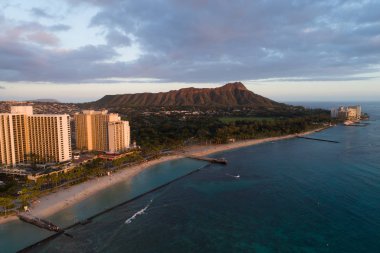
<point x="234" y="176"/>
<point x="140" y="212"/>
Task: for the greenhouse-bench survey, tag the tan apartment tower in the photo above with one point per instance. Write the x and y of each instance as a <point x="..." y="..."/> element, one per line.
<point x="118" y="136"/>
<point x="27" y="137"/>
<point x="50" y="138"/>
<point x="92" y="131"/>
<point x="14" y="139"/>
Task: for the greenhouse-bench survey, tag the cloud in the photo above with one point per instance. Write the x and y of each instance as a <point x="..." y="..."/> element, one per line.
<point x="318" y="79"/>
<point x="207" y="41"/>
<point x="117" y="38"/>
<point x="27" y="32"/>
<point x="59" y="27"/>
<point x="201" y="41"/>
<point x="2" y="87"/>
<point x="42" y="37"/>
<point x="22" y="62"/>
<point x="41" y="13"/>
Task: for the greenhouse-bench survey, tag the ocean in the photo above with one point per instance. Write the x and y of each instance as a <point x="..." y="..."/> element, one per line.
<point x="293" y="195"/>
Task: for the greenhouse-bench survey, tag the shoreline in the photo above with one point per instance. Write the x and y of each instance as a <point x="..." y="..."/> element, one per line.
<point x="64" y="198"/>
<point x="204" y="150"/>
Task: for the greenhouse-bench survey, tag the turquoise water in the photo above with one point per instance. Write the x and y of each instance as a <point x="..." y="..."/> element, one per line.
<point x="292" y="196"/>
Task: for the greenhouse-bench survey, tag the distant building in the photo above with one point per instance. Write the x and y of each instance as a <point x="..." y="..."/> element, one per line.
<point x="334" y="113"/>
<point x="347" y="113"/>
<point x="24" y="110"/>
<point x="355" y="112"/>
<point x="25" y="136"/>
<point x="101" y="131"/>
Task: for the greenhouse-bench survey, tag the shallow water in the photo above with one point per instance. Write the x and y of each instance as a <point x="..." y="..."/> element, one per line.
<point x="292" y="196"/>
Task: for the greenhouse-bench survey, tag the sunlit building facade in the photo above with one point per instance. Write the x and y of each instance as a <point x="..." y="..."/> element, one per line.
<point x="118" y="136"/>
<point x="101" y="131"/>
<point x="14" y="141"/>
<point x="50" y="140"/>
<point x="349" y="113"/>
<point x="25" y="137"/>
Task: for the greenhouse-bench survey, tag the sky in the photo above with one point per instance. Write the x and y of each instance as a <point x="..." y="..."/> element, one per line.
<point x="287" y="50"/>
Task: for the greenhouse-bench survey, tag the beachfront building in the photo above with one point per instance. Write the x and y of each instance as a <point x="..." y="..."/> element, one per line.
<point x="14" y="141"/>
<point x="347" y="113"/>
<point x="355" y="112"/>
<point x="101" y="131"/>
<point x="50" y="140"/>
<point x="118" y="136"/>
<point x="25" y="136"/>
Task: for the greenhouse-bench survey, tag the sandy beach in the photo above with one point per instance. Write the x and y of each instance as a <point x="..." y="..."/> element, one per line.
<point x="210" y="149"/>
<point x="64" y="198"/>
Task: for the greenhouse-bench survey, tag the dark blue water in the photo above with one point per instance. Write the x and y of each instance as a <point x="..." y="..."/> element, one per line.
<point x="292" y="196"/>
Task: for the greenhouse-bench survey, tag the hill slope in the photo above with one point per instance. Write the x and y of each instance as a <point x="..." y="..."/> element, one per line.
<point x="229" y="95"/>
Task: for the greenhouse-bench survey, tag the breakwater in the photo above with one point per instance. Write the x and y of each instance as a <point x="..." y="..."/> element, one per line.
<point x="317" y="139"/>
<point x="357" y="125"/>
<point x="207" y="159"/>
<point x="41" y="223"/>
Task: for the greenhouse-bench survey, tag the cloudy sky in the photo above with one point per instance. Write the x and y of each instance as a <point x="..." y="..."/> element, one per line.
<point x="79" y="50"/>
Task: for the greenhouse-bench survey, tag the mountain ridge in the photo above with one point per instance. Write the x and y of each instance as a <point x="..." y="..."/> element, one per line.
<point x="229" y="95"/>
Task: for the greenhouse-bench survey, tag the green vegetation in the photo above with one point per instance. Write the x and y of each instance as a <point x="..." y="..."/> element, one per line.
<point x="234" y="119"/>
<point x="19" y="192"/>
<point x="5" y="204"/>
<point x="8" y="193"/>
<point x="160" y="130"/>
<point x="96" y="168"/>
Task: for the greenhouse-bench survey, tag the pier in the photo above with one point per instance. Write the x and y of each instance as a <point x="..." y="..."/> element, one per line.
<point x="28" y="218"/>
<point x="357" y="125"/>
<point x="316" y="139"/>
<point x="207" y="159"/>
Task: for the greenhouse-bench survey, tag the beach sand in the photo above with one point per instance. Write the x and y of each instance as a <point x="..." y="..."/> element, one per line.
<point x="64" y="198"/>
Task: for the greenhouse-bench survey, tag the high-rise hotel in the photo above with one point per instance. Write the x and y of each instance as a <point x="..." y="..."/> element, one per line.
<point x="101" y="131"/>
<point x="25" y="136"/>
